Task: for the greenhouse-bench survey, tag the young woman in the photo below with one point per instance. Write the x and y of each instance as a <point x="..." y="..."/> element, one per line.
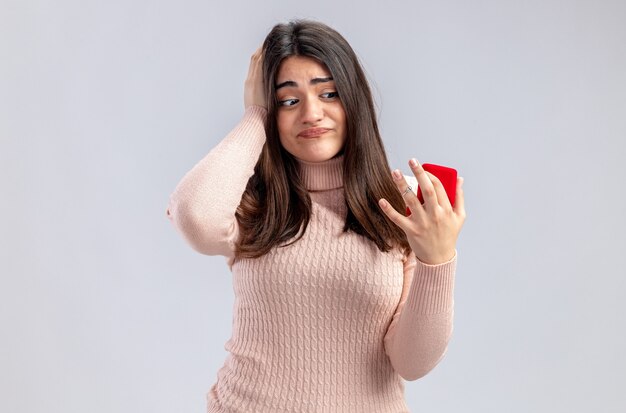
<point x="338" y="294"/>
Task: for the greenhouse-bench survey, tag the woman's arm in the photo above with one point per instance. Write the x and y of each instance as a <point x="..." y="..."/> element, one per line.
<point x="203" y="204"/>
<point x="418" y="336"/>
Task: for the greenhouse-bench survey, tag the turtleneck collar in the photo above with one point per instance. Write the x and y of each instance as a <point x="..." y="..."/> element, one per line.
<point x="322" y="176"/>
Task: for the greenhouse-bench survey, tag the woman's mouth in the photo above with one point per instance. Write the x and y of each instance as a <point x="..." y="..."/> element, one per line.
<point x="312" y="132"/>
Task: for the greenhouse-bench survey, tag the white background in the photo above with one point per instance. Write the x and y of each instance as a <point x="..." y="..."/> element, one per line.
<point x="104" y="106"/>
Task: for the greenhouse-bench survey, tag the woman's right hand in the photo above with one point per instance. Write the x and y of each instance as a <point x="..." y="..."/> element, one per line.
<point x="254" y="91"/>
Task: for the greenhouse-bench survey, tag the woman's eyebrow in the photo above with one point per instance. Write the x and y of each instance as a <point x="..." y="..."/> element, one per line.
<point x="314" y="81"/>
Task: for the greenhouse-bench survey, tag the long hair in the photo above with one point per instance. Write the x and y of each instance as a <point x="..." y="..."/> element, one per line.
<point x="276" y="206"/>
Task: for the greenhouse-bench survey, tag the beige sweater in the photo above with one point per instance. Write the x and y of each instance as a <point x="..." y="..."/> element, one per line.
<point x="328" y="324"/>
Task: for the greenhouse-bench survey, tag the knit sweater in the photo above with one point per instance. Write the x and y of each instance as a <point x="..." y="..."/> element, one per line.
<point x="327" y="324"/>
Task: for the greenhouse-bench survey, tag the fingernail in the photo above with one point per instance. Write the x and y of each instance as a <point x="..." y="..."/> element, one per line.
<point x="397" y="174"/>
<point x="413" y="162"/>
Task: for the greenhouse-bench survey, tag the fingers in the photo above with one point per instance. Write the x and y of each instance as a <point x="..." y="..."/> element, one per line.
<point x="254" y="91"/>
<point x="407" y="194"/>
<point x="428" y="189"/>
<point x="397" y="218"/>
<point x="459" y="202"/>
<point x="442" y="196"/>
<point x="257" y="56"/>
<point x="256" y="61"/>
<point x="433" y="192"/>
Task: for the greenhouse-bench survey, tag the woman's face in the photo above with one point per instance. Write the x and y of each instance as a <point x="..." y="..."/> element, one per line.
<point x="310" y="116"/>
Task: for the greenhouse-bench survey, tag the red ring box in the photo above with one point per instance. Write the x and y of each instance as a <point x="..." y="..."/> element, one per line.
<point x="447" y="176"/>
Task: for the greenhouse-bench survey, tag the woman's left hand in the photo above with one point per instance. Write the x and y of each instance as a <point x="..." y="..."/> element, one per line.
<point x="432" y="228"/>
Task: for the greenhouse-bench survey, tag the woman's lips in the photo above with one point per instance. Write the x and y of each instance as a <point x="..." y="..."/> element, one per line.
<point x="312" y="132"/>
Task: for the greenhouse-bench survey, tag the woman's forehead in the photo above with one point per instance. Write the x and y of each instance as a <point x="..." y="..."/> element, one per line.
<point x="301" y="69"/>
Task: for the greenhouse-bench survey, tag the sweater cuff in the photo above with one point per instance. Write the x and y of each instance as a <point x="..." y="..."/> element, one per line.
<point x="254" y="112"/>
<point x="250" y="132"/>
<point x="432" y="288"/>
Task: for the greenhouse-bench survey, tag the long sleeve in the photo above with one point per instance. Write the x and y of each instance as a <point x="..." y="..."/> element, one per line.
<point x="203" y="205"/>
<point x="418" y="335"/>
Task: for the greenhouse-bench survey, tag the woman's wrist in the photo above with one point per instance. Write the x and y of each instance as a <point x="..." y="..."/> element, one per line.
<point x="439" y="259"/>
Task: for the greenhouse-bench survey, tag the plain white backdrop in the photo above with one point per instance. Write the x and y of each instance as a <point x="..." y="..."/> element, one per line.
<point x="104" y="106"/>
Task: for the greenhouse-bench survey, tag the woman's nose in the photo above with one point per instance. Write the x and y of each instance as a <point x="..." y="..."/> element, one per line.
<point x="312" y="111"/>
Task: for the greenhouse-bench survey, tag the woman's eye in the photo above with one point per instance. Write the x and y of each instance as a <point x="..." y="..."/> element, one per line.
<point x="330" y="95"/>
<point x="288" y="102"/>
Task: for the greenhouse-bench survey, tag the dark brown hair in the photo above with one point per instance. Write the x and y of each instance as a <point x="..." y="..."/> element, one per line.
<point x="276" y="206"/>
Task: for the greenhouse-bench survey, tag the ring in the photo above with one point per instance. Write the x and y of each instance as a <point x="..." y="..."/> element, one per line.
<point x="408" y="188"/>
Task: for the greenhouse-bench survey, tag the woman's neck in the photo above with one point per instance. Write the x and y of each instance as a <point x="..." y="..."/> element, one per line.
<point x="322" y="176"/>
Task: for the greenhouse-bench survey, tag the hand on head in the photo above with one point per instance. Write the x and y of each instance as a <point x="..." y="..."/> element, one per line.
<point x="254" y="90"/>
